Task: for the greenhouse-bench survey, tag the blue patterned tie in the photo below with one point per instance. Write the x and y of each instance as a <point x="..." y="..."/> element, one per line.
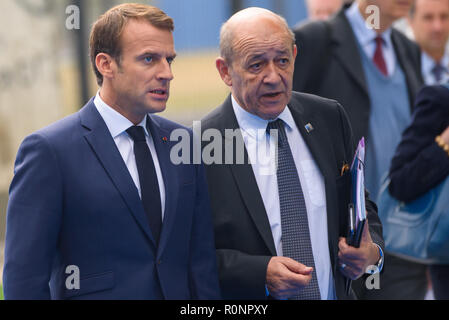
<point x="296" y="242"/>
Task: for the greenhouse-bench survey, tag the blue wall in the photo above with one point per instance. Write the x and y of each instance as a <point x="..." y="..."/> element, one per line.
<point x="198" y="22"/>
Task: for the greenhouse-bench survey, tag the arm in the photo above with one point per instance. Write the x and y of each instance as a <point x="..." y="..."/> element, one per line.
<point x="33" y="221"/>
<point x="203" y="269"/>
<point x="242" y="276"/>
<point x="419" y="163"/>
<point x="358" y="259"/>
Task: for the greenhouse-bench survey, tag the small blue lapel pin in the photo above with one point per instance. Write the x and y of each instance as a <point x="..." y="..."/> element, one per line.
<point x="309" y="127"/>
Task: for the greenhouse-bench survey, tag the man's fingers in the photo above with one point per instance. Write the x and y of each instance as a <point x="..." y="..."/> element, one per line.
<point x="297" y="267"/>
<point x="286" y="276"/>
<point x="349" y="272"/>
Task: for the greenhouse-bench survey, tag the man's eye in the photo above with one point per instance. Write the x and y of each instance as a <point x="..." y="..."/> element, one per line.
<point x="148" y="59"/>
<point x="170" y="60"/>
<point x="255" y="66"/>
<point x="283" y="61"/>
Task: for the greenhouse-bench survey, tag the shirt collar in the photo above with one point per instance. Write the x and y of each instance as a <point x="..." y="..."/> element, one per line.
<point x="116" y="123"/>
<point x="428" y="63"/>
<point x="252" y="124"/>
<point x="364" y="34"/>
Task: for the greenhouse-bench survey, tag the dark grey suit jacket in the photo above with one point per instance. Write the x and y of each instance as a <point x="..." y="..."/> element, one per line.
<point x="328" y="64"/>
<point x="243" y="237"/>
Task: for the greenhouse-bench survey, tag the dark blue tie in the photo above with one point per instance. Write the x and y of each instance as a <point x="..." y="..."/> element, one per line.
<point x="296" y="242"/>
<point x="149" y="186"/>
<point x="437" y="72"/>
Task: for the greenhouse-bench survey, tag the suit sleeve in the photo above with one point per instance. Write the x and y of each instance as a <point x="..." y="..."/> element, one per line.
<point x="375" y="226"/>
<point x="242" y="276"/>
<point x="203" y="265"/>
<point x="419" y="163"/>
<point x="33" y="221"/>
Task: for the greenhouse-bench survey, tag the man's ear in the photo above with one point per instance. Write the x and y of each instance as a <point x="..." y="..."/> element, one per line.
<point x="295" y="51"/>
<point x="223" y="70"/>
<point x="106" y="65"/>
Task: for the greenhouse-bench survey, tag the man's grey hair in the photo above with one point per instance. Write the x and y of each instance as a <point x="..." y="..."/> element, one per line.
<point x="227" y="38"/>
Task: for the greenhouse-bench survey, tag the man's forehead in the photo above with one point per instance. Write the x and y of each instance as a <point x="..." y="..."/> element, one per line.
<point x="141" y="30"/>
<point x="258" y="44"/>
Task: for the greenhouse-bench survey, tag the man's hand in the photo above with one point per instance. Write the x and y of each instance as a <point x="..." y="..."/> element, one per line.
<point x="445" y="135"/>
<point x="356" y="260"/>
<point x="285" y="277"/>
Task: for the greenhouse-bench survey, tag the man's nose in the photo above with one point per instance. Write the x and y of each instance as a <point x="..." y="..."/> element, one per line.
<point x="165" y="72"/>
<point x="272" y="74"/>
<point x="437" y="25"/>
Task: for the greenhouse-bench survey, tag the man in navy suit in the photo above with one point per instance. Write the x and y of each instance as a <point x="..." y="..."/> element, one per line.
<point x="97" y="210"/>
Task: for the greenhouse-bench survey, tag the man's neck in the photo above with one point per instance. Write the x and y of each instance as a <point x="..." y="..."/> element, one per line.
<point x="112" y="101"/>
<point x="436" y="55"/>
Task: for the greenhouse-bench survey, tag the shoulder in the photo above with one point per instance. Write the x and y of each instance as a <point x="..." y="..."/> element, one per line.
<point x="435" y="92"/>
<point x="58" y="131"/>
<point x="402" y="40"/>
<point x="216" y="118"/>
<point x="312" y="103"/>
<point x="432" y="100"/>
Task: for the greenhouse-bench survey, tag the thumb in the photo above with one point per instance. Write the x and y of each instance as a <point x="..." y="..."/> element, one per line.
<point x="366" y="236"/>
<point x="297" y="267"/>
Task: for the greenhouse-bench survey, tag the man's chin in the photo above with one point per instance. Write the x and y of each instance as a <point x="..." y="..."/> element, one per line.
<point x="271" y="113"/>
<point x="155" y="107"/>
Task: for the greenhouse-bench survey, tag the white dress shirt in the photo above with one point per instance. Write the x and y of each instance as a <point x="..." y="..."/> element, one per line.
<point x="117" y="125"/>
<point x="427" y="64"/>
<point x="366" y="37"/>
<point x="257" y="143"/>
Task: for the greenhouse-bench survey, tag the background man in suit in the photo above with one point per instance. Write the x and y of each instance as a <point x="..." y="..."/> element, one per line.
<point x="374" y="72"/>
<point x="429" y="20"/>
<point x="97" y="190"/>
<point x="322" y="9"/>
<point x="278" y="234"/>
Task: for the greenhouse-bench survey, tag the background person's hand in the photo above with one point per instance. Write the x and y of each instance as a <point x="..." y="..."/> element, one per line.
<point x="445" y="135"/>
<point x="286" y="277"/>
<point x="356" y="260"/>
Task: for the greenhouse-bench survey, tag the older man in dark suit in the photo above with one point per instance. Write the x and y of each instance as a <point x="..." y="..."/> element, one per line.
<point x="279" y="232"/>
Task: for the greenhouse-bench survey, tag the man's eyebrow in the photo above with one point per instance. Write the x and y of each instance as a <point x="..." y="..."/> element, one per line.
<point x="261" y="55"/>
<point x="154" y="54"/>
<point x="254" y="57"/>
<point x="147" y="53"/>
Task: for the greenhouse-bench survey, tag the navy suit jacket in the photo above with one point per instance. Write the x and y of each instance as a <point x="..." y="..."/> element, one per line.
<point x="419" y="163"/>
<point x="73" y="202"/>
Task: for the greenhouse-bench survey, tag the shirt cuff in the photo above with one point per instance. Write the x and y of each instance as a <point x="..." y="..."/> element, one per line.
<point x="380" y="264"/>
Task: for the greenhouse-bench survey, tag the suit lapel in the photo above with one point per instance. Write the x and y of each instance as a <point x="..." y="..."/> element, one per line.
<point x="346" y="50"/>
<point x="246" y="181"/>
<point x="161" y="139"/>
<point x="413" y="82"/>
<point x="101" y="142"/>
<point x="319" y="145"/>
